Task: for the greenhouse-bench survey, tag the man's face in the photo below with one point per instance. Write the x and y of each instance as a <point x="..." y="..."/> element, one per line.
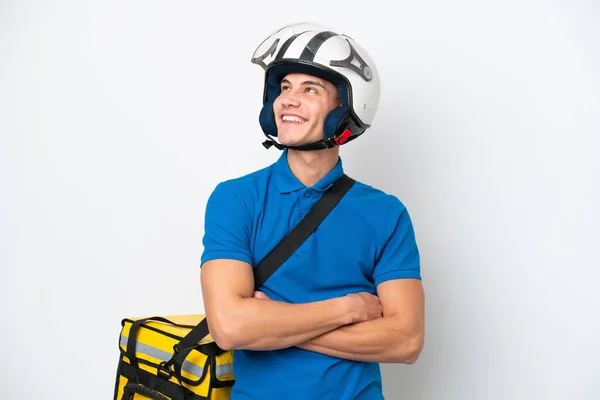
<point x="301" y="108"/>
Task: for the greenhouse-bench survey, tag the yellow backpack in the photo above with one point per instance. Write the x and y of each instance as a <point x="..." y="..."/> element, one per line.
<point x="155" y="363"/>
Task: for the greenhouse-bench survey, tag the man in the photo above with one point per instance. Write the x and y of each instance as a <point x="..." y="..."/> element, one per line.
<point x="351" y="296"/>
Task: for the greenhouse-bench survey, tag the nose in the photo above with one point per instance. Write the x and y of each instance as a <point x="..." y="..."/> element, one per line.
<point x="289" y="99"/>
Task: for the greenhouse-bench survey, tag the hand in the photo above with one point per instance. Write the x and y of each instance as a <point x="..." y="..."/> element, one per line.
<point x="365" y="307"/>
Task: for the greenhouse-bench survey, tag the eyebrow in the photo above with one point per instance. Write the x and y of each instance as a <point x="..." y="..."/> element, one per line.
<point x="305" y="83"/>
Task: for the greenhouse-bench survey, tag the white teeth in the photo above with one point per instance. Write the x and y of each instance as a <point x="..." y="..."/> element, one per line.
<point x="292" y="118"/>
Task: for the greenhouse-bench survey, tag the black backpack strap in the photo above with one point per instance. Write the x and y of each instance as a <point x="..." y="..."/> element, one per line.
<point x="132" y="340"/>
<point x="288" y="245"/>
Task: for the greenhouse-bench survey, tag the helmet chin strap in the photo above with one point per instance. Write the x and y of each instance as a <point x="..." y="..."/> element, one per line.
<point x="318" y="145"/>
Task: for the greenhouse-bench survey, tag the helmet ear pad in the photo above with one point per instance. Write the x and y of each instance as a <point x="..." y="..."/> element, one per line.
<point x="332" y="126"/>
<point x="334" y="121"/>
<point x="267" y="119"/>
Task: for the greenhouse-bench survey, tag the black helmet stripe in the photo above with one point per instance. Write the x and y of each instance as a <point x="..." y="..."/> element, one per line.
<point x="313" y="45"/>
<point x="286" y="45"/>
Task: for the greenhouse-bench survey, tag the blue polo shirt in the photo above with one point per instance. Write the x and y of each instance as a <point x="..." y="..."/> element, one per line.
<point x="366" y="240"/>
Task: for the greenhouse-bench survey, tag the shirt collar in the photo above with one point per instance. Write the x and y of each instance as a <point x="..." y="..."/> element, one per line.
<point x="287" y="181"/>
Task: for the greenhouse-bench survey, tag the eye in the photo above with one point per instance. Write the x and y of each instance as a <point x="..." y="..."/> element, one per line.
<point x="311" y="90"/>
<point x="284" y="87"/>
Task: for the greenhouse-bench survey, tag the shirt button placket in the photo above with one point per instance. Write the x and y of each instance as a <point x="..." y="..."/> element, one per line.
<point x="305" y="203"/>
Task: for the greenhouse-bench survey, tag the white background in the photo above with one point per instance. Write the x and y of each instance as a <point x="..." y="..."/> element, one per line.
<point x="118" y="118"/>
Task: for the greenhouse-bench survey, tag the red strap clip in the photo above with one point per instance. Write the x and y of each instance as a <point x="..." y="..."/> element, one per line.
<point x="340" y="140"/>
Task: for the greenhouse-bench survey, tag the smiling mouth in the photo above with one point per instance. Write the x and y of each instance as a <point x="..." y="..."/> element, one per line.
<point x="293" y="118"/>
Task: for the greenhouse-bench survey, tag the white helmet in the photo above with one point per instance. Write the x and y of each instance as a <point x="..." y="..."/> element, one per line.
<point x="315" y="50"/>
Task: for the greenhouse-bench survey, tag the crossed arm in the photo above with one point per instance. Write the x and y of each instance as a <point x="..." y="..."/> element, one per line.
<point x="396" y="337"/>
<point x="388" y="327"/>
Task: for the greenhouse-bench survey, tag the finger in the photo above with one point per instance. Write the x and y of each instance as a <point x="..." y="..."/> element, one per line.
<point x="260" y="295"/>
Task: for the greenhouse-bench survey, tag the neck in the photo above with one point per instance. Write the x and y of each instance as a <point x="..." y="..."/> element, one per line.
<point x="311" y="166"/>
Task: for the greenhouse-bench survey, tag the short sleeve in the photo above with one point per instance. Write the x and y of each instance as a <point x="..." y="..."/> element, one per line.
<point x="399" y="258"/>
<point x="227" y="226"/>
